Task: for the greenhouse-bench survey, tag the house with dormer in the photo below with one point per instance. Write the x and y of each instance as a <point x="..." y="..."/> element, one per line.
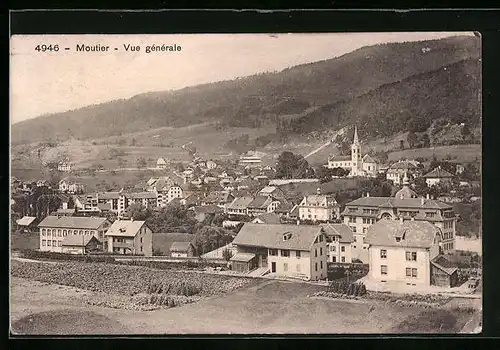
<point x="319" y="207"/>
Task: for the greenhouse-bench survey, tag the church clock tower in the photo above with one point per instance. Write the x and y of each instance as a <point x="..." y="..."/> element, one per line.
<point x="356" y="155"/>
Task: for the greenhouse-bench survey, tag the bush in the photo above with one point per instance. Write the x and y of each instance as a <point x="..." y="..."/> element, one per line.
<point x="348" y="288"/>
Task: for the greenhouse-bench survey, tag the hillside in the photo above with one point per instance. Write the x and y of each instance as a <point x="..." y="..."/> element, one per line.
<point x="451" y="93"/>
<point x="333" y="86"/>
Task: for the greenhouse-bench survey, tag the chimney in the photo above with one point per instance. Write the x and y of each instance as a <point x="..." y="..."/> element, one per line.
<point x="368" y="194"/>
<point x="298" y="222"/>
<point x="428" y="196"/>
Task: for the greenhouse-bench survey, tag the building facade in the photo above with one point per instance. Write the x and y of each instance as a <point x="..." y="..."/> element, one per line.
<point x="438" y="176"/>
<point x="339" y="238"/>
<point x="296" y="251"/>
<point x="319" y="207"/>
<point x="130" y="237"/>
<point x="54" y="229"/>
<point x="403" y="251"/>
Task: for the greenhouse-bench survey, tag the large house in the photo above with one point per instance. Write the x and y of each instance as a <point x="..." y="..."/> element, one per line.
<point x="363" y="212"/>
<point x="165" y="188"/>
<point x="69" y="186"/>
<point x="64" y="165"/>
<point x="397" y="171"/>
<point x="54" y="229"/>
<point x="297" y="251"/>
<point x="130" y="237"/>
<point x="438" y="176"/>
<point x="161" y="163"/>
<point x="357" y="164"/>
<point x="261" y="205"/>
<point x="239" y="206"/>
<point x="408" y="252"/>
<point x="319" y="207"/>
<point x="339" y="239"/>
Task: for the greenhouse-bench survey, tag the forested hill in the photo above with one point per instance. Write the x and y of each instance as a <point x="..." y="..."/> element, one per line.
<point x="262" y="99"/>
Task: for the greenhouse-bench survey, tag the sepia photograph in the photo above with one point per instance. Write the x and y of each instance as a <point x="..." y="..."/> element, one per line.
<point x="280" y="183"/>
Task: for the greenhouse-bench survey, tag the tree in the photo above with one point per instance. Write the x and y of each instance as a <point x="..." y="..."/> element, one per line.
<point x="138" y="212"/>
<point x="292" y="166"/>
<point x="412" y="139"/>
<point x="208" y="238"/>
<point x="133" y="142"/>
<point x="426" y="142"/>
<point x="227" y="254"/>
<point x="141" y="162"/>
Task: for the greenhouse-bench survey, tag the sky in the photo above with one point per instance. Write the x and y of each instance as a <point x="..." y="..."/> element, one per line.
<point x="51" y="82"/>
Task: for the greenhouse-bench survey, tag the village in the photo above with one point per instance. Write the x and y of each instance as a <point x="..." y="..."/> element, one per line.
<point x="406" y="241"/>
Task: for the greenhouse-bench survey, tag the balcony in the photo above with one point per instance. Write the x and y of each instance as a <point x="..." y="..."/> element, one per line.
<point x="123" y="245"/>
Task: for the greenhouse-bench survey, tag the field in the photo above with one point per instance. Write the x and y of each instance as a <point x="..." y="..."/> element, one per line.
<point x="261" y="306"/>
<point x="20" y="241"/>
<point x="462" y="153"/>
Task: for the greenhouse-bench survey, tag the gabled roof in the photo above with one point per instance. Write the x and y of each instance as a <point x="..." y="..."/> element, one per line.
<point x="240" y="203"/>
<point x="260" y="202"/>
<point x="406" y="192"/>
<point x="417" y="234"/>
<point x="271" y="236"/>
<point x="109" y="195"/>
<point x="316" y="199"/>
<point x="283" y="207"/>
<point x="339" y="158"/>
<point x="141" y="195"/>
<point x="180" y="246"/>
<point x="268" y="190"/>
<point x="438" y="173"/>
<point x="77" y="240"/>
<point x="72" y="222"/>
<point x="125" y="228"/>
<point x="342" y="231"/>
<point x="444" y="264"/>
<point x="161" y="161"/>
<point x="269" y="218"/>
<point x="218" y="196"/>
<point x="368" y="159"/>
<point x="26" y="220"/>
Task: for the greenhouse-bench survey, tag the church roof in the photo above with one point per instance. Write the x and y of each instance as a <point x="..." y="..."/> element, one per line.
<point x="339" y="158"/>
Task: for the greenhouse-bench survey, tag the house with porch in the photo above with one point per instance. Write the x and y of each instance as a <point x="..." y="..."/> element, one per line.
<point x="130" y="237"/>
<point x="295" y="251"/>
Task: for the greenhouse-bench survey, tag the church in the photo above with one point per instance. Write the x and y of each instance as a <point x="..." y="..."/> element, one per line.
<point x="356" y="163"/>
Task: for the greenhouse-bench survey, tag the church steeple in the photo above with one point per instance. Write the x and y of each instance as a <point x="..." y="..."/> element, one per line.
<point x="356" y="140"/>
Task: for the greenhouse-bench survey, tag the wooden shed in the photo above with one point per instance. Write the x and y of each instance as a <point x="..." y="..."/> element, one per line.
<point x="243" y="262"/>
<point x="443" y="272"/>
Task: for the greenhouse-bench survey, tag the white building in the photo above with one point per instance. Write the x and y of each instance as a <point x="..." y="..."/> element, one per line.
<point x="357" y="164"/>
<point x="339" y="238"/>
<point x="161" y="163"/>
<point x="438" y="176"/>
<point x="319" y="207"/>
<point x="64" y="165"/>
<point x="130" y="237"/>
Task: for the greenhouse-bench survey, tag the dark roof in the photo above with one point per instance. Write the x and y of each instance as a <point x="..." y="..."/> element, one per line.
<point x="444" y="264"/>
<point x="340" y="230"/>
<point x="398" y="202"/>
<point x="438" y="173"/>
<point x="259" y="202"/>
<point x="72" y="222"/>
<point x="77" y="240"/>
<point x="218" y="196"/>
<point x="271" y="236"/>
<point x="415" y="234"/>
<point x="180" y="246"/>
<point x="162" y="241"/>
<point x="283" y="207"/>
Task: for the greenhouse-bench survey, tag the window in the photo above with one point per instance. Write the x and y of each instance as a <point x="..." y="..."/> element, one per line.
<point x="315" y="252"/>
<point x="332" y="248"/>
<point x="297" y="254"/>
<point x="364" y="229"/>
<point x="383" y="254"/>
<point x="141" y="239"/>
<point x="285" y="267"/>
<point x="352" y="219"/>
<point x="141" y="248"/>
<point x="59" y="243"/>
<point x="411" y="256"/>
<point x="353" y="228"/>
<point x="65" y="233"/>
<point x="49" y="243"/>
<point x="44" y="242"/>
<point x="411" y="272"/>
<point x="86" y="232"/>
<point x="81" y="232"/>
<point x="430" y="214"/>
<point x="285" y="253"/>
<point x="342" y="259"/>
<point x="59" y="232"/>
<point x="321" y="238"/>
<point x="273" y="252"/>
<point x="408" y="272"/>
<point x="320" y="251"/>
<point x="44" y="232"/>
<point x="298" y="267"/>
<point x="383" y="269"/>
<point x="334" y="259"/>
<point x="321" y="264"/>
<point x="316" y="266"/>
<point x="342" y="249"/>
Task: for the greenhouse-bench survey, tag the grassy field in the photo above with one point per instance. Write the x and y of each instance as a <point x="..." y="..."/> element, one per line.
<point x="20" y="241"/>
<point x="264" y="306"/>
<point x="462" y="153"/>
